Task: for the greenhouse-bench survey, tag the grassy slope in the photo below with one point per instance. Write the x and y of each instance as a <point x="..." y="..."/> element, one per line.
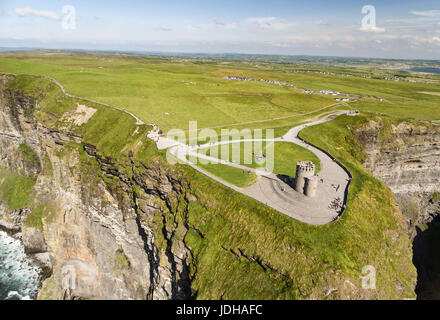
<point x="286" y="155"/>
<point x="151" y="92"/>
<point x="305" y="258"/>
<point x="170" y="93"/>
<point x="15" y="189"/>
<point x="365" y="235"/>
<point x="229" y="174"/>
<point x="109" y="129"/>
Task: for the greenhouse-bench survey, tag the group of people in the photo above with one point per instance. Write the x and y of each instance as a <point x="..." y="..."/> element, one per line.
<point x="337" y="204"/>
<point x="258" y="157"/>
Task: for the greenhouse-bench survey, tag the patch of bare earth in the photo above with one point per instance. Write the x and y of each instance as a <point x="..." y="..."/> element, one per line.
<point x="81" y="115"/>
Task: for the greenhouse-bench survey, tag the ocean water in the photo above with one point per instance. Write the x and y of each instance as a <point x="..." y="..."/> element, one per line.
<point x="19" y="276"/>
<point x="427" y="70"/>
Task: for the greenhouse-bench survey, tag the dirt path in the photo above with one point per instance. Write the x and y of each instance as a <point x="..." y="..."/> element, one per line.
<point x="138" y="121"/>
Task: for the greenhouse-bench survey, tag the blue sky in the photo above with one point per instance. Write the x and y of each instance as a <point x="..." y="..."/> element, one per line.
<point x="404" y="29"/>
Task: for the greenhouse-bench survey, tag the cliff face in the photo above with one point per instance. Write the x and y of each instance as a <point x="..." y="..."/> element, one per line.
<point x="406" y="157"/>
<point x="89" y="221"/>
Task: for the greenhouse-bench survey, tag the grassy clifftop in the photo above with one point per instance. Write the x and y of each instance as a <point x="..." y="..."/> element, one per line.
<point x="248" y="251"/>
<point x="242" y="249"/>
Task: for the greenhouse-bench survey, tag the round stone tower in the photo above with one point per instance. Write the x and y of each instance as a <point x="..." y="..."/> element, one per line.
<point x="304" y="169"/>
<point x="311" y="185"/>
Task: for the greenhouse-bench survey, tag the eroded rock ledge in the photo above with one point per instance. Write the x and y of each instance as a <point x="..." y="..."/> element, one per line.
<point x="98" y="235"/>
<point x="406" y="157"/>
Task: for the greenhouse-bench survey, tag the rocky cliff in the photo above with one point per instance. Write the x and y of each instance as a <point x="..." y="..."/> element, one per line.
<point x="89" y="221"/>
<point x="406" y="157"/>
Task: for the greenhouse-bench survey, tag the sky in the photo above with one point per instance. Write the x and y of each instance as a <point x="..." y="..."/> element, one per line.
<point x="404" y="29"/>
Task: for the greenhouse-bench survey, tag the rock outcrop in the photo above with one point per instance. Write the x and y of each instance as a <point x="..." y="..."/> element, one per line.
<point x="406" y="157"/>
<point x="96" y="238"/>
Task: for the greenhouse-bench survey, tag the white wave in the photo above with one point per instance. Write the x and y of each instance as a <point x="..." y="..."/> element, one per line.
<point x="19" y="276"/>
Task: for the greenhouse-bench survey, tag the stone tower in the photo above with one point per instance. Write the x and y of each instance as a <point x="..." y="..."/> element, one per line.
<point x="311" y="185"/>
<point x="304" y="169"/>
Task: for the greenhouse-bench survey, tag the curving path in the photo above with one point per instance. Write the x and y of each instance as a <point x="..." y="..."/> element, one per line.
<point x="270" y="189"/>
<point x="138" y="121"/>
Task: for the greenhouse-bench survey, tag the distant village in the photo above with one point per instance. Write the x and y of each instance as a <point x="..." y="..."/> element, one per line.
<point x="346" y="97"/>
<point x="281" y="83"/>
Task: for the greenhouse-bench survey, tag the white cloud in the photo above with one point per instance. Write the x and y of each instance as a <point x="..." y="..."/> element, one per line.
<point x="427" y="13"/>
<point x="1" y="12"/>
<point x="265" y="21"/>
<point x="22" y="12"/>
<point x="166" y="29"/>
<point x="225" y="25"/>
<point x="372" y="29"/>
<point x="191" y="28"/>
<point x="436" y="39"/>
<point x="269" y="23"/>
<point x="323" y="23"/>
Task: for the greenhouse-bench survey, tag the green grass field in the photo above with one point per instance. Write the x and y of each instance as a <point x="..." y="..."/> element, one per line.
<point x="235" y="176"/>
<point x="286" y="155"/>
<point x="170" y="92"/>
<point x="168" y="98"/>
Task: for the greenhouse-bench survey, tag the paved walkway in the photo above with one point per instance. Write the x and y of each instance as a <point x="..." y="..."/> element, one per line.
<point x="270" y="189"/>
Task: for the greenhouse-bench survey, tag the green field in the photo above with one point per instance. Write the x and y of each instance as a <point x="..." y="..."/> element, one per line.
<point x="170" y="91"/>
<point x="169" y="97"/>
<point x="235" y="176"/>
<point x="286" y="155"/>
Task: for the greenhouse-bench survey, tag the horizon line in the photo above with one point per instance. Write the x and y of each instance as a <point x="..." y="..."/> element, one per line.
<point x="177" y="53"/>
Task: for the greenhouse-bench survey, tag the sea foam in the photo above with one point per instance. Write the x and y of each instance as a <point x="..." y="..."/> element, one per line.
<point x="19" y="276"/>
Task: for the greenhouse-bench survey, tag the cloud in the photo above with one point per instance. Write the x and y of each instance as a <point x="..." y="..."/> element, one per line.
<point x="166" y="29"/>
<point x="1" y="12"/>
<point x="323" y="23"/>
<point x="225" y="25"/>
<point x="427" y="13"/>
<point x="22" y="12"/>
<point x="268" y="23"/>
<point x="264" y="22"/>
<point x="191" y="28"/>
<point x="372" y="29"/>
